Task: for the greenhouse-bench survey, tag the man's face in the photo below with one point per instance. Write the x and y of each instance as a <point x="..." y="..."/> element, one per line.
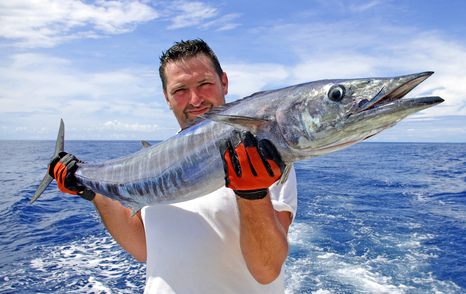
<point x="193" y="87"/>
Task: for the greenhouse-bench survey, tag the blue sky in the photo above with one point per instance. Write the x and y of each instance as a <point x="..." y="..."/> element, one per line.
<point x="95" y="63"/>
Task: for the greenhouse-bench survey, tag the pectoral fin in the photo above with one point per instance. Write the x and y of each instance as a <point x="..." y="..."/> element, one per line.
<point x="246" y="123"/>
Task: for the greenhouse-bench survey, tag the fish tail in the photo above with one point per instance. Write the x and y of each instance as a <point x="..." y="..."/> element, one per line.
<point x="59" y="147"/>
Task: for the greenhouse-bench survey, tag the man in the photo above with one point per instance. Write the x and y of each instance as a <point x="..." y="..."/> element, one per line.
<point x="233" y="240"/>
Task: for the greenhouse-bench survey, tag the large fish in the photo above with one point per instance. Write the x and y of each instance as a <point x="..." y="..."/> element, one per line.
<point x="303" y="121"/>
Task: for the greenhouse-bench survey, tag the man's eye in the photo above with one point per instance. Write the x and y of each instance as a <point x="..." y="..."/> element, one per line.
<point x="178" y="91"/>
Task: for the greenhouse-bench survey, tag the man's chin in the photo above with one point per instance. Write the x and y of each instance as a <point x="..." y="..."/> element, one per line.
<point x="190" y="120"/>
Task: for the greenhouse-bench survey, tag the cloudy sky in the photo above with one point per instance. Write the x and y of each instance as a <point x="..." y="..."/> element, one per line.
<point x="95" y="63"/>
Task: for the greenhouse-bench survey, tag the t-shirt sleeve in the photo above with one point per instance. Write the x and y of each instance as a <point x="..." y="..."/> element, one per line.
<point x="285" y="196"/>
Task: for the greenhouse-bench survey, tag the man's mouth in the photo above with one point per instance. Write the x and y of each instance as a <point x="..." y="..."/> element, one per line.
<point x="195" y="112"/>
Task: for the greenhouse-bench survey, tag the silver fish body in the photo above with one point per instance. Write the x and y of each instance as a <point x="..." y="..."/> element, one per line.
<point x="183" y="167"/>
<point x="303" y="121"/>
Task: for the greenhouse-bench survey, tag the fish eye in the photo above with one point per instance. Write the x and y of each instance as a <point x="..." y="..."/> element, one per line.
<point x="336" y="93"/>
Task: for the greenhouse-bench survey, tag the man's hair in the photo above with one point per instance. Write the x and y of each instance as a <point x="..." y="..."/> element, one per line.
<point x="186" y="49"/>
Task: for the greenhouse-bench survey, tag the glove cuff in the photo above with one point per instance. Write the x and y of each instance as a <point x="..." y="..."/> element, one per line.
<point x="252" y="194"/>
<point x="87" y="194"/>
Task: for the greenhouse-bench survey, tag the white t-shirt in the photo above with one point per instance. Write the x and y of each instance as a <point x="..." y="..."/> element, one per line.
<point x="193" y="246"/>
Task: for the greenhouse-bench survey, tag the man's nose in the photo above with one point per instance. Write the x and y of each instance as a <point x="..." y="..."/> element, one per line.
<point x="196" y="99"/>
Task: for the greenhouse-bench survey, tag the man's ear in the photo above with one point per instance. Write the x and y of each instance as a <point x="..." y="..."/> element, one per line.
<point x="224" y="81"/>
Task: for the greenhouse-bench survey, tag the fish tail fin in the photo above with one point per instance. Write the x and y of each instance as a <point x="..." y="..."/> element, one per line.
<point x="59" y="147"/>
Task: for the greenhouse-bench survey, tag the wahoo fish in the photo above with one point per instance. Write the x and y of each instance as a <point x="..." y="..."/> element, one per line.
<point x="302" y="121"/>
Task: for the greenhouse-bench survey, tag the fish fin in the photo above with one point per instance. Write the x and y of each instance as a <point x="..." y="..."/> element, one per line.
<point x="241" y="122"/>
<point x="219" y="110"/>
<point x="145" y="144"/>
<point x="59" y="147"/>
<point x="42" y="186"/>
<point x="60" y="143"/>
<point x="285" y="174"/>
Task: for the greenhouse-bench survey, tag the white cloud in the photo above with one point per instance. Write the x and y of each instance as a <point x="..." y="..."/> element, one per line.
<point x="184" y="14"/>
<point x="121" y="126"/>
<point x="352" y="6"/>
<point x="40" y="88"/>
<point x="47" y="23"/>
<point x="191" y="14"/>
<point x="364" y="6"/>
<point x="345" y="50"/>
<point x="50" y="83"/>
<point x="223" y="23"/>
<point x="332" y="66"/>
<point x="245" y="79"/>
<point x="437" y="129"/>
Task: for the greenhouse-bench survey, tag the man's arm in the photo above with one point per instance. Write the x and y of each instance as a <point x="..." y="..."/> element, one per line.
<point x="263" y="237"/>
<point x="127" y="230"/>
<point x="250" y="168"/>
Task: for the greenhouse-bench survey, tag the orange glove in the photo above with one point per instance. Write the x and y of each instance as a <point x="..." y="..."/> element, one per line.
<point x="62" y="169"/>
<point x="251" y="167"/>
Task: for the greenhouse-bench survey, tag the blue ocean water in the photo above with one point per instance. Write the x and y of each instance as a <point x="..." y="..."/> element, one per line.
<point x="373" y="218"/>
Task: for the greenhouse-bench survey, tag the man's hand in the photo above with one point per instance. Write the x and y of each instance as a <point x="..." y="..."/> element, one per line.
<point x="251" y="167"/>
<point x="62" y="169"/>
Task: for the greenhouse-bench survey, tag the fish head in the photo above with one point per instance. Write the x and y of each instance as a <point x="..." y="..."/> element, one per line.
<point x="329" y="115"/>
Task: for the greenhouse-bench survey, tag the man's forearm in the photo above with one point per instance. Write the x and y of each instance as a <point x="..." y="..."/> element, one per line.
<point x="263" y="238"/>
<point x="127" y="230"/>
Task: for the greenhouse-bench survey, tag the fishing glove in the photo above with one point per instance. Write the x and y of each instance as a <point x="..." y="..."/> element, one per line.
<point x="251" y="166"/>
<point x="62" y="169"/>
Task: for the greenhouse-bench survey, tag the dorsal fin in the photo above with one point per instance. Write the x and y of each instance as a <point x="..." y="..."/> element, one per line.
<point x="145" y="144"/>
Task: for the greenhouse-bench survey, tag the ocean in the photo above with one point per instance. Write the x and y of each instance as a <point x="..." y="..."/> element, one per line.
<point x="373" y="218"/>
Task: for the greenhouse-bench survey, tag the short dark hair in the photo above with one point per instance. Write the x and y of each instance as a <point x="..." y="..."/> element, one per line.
<point x="185" y="49"/>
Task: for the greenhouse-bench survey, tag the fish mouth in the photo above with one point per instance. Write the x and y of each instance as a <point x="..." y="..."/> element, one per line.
<point x="395" y="91"/>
